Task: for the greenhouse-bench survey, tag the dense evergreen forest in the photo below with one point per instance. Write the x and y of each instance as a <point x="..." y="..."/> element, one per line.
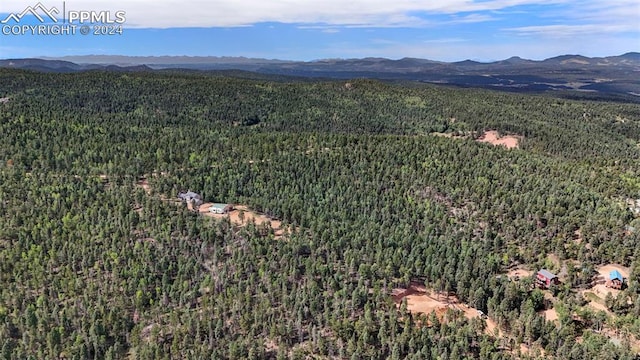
<point x="93" y="266"/>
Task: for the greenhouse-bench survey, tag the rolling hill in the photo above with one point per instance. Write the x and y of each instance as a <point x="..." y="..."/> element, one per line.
<point x="616" y="75"/>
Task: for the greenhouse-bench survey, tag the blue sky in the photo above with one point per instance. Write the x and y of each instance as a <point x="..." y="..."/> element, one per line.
<point x="446" y="30"/>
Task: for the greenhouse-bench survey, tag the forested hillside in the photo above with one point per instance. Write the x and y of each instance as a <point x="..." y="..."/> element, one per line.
<point x="94" y="266"/>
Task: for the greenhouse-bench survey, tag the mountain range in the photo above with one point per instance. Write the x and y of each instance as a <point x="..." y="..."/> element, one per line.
<point x="611" y="75"/>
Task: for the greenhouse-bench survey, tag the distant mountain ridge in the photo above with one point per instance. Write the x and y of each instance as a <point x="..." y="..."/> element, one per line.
<point x="613" y="74"/>
<point x="630" y="58"/>
<point x="162" y="60"/>
<point x="64" y="66"/>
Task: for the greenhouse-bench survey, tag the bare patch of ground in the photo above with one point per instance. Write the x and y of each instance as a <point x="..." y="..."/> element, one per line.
<point x="419" y="300"/>
<point x="4" y="100"/>
<point x="598" y="306"/>
<point x="550" y="314"/>
<point x="242" y="215"/>
<point x="493" y="137"/>
<point x="422" y="301"/>
<point x="519" y="273"/>
<point x="599" y="292"/>
<point x="606" y="269"/>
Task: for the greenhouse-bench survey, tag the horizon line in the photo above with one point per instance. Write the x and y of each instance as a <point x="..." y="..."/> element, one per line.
<point x="46" y="57"/>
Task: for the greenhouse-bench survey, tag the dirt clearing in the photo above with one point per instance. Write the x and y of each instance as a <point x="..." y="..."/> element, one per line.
<point x="606" y="269"/>
<point x="422" y="301"/>
<point x="598" y="306"/>
<point x="550" y="314"/>
<point x="493" y="137"/>
<point x="517" y="274"/>
<point x="242" y="215"/>
<point x="599" y="292"/>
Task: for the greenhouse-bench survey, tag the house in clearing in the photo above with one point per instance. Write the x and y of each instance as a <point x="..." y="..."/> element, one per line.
<point x="544" y="279"/>
<point x="220" y="208"/>
<point x="190" y="196"/>
<point x="616" y="280"/>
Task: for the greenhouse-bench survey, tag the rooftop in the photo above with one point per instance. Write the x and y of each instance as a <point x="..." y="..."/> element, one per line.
<point x="546" y="273"/>
<point x="615" y="274"/>
<point x="189" y="194"/>
<point x="219" y="206"/>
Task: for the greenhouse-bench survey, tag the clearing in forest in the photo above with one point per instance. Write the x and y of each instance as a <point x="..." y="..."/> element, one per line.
<point x="597" y="295"/>
<point x="549" y="314"/>
<point x="421" y="301"/>
<point x="599" y="291"/>
<point x="241" y="215"/>
<point x="493" y="137"/>
<point x="519" y="273"/>
<point x="234" y="215"/>
<point x="606" y="269"/>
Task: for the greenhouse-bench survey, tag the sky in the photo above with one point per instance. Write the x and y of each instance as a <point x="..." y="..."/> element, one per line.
<point x="444" y="30"/>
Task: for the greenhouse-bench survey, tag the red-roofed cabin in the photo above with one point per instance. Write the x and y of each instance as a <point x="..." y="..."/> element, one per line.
<point x="544" y="279"/>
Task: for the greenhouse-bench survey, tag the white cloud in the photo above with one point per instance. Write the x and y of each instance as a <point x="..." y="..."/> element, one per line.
<point x="595" y="10"/>
<point x="472" y="18"/>
<point x="572" y="30"/>
<point x="227" y="13"/>
<point x="590" y="17"/>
